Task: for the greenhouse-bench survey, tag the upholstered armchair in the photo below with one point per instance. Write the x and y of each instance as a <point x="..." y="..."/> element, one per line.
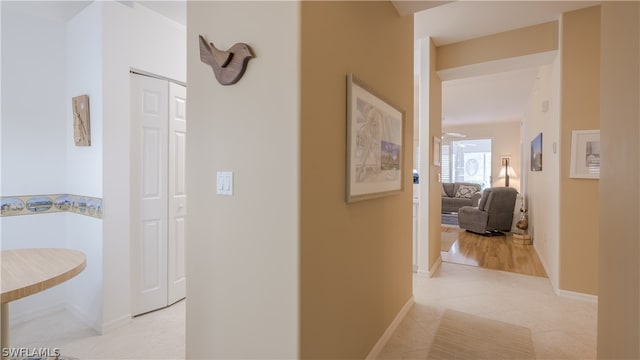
<point x="494" y="213"/>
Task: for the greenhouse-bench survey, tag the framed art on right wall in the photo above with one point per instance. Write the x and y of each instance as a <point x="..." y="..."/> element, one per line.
<point x="585" y="154"/>
<point x="536" y="153"/>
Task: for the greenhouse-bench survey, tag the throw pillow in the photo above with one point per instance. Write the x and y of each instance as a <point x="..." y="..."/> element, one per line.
<point x="466" y="191"/>
<point x="442" y="192"/>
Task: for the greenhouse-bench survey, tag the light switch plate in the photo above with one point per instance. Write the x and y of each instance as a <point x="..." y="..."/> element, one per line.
<point x="224" y="183"/>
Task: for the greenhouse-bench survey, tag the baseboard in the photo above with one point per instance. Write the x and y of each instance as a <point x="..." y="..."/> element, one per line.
<point x="84" y="318"/>
<point x="432" y="271"/>
<point x="423" y="273"/>
<point x="377" y="348"/>
<point x="577" y="296"/>
<point x="554" y="284"/>
<point x="114" y="324"/>
<point x="435" y="266"/>
<point x="32" y="315"/>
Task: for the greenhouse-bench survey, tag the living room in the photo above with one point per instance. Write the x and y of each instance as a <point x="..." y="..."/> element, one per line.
<point x="482" y="123"/>
<point x="481" y="144"/>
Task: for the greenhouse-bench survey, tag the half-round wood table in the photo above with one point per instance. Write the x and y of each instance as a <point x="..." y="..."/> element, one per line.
<point x="29" y="271"/>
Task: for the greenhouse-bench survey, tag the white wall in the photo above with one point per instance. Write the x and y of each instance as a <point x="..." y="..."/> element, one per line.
<point x="243" y="250"/>
<point x="38" y="130"/>
<point x="34" y="103"/>
<point x="133" y="37"/>
<point x="36" y="231"/>
<point x="425" y="48"/>
<point x="33" y="135"/>
<point x="91" y="54"/>
<point x="541" y="189"/>
<point x="84" y="77"/>
<point x="0" y="114"/>
<point x="84" y="164"/>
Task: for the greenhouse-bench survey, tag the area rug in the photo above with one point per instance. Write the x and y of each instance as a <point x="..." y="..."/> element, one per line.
<point x="465" y="336"/>
<point x="448" y="236"/>
<point x="449" y="219"/>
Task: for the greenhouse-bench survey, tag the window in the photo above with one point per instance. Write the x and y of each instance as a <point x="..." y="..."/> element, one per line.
<point x="445" y="163"/>
<point x="467" y="161"/>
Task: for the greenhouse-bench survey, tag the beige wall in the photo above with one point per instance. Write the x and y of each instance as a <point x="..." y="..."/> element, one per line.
<point x="524" y="41"/>
<point x="355" y="258"/>
<point x="505" y="138"/>
<point x="243" y="250"/>
<point x="579" y="199"/>
<point x="619" y="299"/>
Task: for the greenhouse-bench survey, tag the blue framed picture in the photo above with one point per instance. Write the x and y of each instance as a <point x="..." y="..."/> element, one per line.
<point x="536" y="153"/>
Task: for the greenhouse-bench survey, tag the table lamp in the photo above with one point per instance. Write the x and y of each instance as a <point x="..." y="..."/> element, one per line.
<point x="506" y="171"/>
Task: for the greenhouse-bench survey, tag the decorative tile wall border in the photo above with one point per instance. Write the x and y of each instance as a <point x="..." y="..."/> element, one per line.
<point x="42" y="204"/>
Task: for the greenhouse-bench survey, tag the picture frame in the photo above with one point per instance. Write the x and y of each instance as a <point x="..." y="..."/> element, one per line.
<point x="81" y="120"/>
<point x="375" y="145"/>
<point x="437" y="151"/>
<point x="585" y="154"/>
<point x="536" y="153"/>
<point x="505" y="161"/>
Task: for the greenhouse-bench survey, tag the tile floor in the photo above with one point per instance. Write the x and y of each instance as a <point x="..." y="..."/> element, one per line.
<point x="157" y="335"/>
<point x="561" y="328"/>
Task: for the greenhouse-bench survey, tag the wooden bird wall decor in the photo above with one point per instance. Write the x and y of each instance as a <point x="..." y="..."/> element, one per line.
<point x="228" y="66"/>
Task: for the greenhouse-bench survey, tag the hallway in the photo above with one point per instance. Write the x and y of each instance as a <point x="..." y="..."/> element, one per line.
<point x="560" y="328"/>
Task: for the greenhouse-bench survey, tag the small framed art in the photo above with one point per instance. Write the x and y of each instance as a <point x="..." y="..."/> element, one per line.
<point x="536" y="153"/>
<point x="585" y="154"/>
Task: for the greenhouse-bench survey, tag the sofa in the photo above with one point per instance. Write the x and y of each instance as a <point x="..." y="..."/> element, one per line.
<point x="494" y="213"/>
<point x="459" y="194"/>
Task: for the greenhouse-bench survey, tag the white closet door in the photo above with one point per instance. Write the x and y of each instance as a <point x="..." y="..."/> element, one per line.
<point x="149" y="190"/>
<point x="177" y="191"/>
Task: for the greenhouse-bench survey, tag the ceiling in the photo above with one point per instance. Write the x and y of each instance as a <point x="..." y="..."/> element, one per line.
<point x="54" y="10"/>
<point x="175" y="10"/>
<point x="492" y="96"/>
<point x="501" y="93"/>
<point x="462" y="20"/>
<point x="500" y="97"/>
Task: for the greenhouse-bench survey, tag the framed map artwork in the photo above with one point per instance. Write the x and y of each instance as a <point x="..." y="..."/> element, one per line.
<point x="375" y="149"/>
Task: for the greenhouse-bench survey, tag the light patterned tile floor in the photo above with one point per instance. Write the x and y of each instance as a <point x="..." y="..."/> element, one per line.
<point x="560" y="328"/>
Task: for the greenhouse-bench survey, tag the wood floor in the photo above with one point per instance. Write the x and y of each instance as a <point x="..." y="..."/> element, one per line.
<point x="495" y="252"/>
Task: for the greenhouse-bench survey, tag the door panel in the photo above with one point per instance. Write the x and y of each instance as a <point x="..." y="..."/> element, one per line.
<point x="177" y="191"/>
<point x="149" y="188"/>
<point x="151" y="164"/>
<point x="151" y="266"/>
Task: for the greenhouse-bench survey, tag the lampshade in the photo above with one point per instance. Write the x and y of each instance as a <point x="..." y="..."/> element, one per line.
<point x="503" y="173"/>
